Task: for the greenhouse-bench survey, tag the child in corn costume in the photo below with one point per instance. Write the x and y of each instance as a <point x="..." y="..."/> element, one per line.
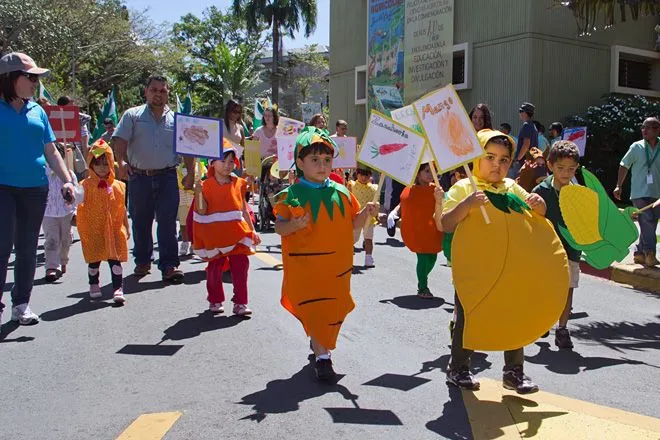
<point x="500" y="305"/>
<point x="316" y="218"/>
<point x="102" y="220"/>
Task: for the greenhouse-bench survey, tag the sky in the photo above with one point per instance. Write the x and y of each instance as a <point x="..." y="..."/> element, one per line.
<point x="172" y="10"/>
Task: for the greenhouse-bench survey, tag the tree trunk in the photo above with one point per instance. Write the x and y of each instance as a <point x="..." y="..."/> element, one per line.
<point x="275" y="73"/>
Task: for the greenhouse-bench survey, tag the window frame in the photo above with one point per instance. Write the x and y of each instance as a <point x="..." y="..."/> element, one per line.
<point x="466" y="48"/>
<point x="358" y="71"/>
<point x="616" y="52"/>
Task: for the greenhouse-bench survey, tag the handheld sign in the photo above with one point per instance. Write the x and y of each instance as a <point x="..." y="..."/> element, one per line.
<point x="407" y="116"/>
<point x="285" y="149"/>
<point x="65" y="121"/>
<point x="577" y="135"/>
<point x="288" y="127"/>
<point x="346" y="152"/>
<point x="198" y="136"/>
<point x="391" y="148"/>
<point x="252" y="157"/>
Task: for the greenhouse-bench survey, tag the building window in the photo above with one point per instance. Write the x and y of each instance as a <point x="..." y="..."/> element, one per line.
<point x="635" y="71"/>
<point x="361" y="85"/>
<point x="461" y="75"/>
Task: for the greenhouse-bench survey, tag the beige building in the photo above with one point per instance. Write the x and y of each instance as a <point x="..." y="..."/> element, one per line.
<point x="507" y="52"/>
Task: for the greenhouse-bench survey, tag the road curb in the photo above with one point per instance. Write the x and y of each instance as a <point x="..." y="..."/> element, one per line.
<point x="635" y="275"/>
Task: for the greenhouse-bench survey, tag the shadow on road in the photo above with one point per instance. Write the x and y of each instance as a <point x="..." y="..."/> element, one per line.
<point x="453" y="423"/>
<point x="571" y="362"/>
<point x="7" y="328"/>
<point x="204" y="322"/>
<point x="413" y="302"/>
<point x="392" y="242"/>
<point x="285" y="395"/>
<point x="621" y="336"/>
<point x="83" y="306"/>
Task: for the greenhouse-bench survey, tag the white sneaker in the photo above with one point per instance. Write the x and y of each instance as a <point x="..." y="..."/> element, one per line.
<point x="369" y="261"/>
<point x="216" y="308"/>
<point x="95" y="291"/>
<point x="23" y="315"/>
<point x="242" y="310"/>
<point x="118" y="296"/>
<point x="184" y="248"/>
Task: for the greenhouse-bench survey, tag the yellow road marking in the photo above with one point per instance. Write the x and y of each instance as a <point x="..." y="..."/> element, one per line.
<point x="268" y="259"/>
<point x="498" y="413"/>
<point x="150" y="426"/>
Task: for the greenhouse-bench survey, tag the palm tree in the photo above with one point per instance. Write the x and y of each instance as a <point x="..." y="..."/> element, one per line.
<point x="586" y="12"/>
<point x="282" y="16"/>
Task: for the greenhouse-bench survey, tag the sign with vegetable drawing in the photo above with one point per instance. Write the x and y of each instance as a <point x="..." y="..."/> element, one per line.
<point x="288" y="127"/>
<point x="406" y="115"/>
<point x="285" y="148"/>
<point x="448" y="128"/>
<point x="198" y="136"/>
<point x="346" y="152"/>
<point x="391" y="148"/>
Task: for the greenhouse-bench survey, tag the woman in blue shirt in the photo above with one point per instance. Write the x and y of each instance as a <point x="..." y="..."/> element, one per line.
<point x="26" y="143"/>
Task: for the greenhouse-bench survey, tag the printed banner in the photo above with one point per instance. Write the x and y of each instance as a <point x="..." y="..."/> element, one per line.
<point x="409" y="50"/>
<point x="346" y="152"/>
<point x="65" y="122"/>
<point x="391" y="148"/>
<point x="385" y="46"/>
<point x="448" y="129"/>
<point x="429" y="37"/>
<point x="577" y="135"/>
<point x="252" y="157"/>
<point x="198" y="136"/>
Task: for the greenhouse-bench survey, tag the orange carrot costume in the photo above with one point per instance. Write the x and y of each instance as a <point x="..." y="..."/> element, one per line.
<point x="318" y="260"/>
<point x="418" y="229"/>
<point x="102" y="213"/>
<point x="222" y="231"/>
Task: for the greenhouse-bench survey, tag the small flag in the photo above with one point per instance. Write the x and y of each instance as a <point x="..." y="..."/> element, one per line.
<point x="109" y="111"/>
<point x="258" y="120"/>
<point x="43" y="93"/>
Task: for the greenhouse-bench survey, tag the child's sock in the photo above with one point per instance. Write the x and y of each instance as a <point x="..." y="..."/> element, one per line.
<point x="325" y="356"/>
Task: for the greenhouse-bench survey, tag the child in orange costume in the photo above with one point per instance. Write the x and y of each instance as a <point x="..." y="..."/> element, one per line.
<point x="223" y="231"/>
<point x="421" y="210"/>
<point x="316" y="218"/>
<point x="102" y="220"/>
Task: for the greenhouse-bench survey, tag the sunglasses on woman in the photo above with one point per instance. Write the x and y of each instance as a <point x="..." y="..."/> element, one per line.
<point x="32" y="77"/>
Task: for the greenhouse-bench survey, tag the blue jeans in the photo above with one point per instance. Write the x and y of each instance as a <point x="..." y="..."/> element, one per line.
<point x="648" y="221"/>
<point x="22" y="210"/>
<point x="149" y="197"/>
<point x="514" y="170"/>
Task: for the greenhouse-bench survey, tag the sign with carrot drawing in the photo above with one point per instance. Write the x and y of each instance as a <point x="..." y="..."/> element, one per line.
<point x="346" y="151"/>
<point x="448" y="128"/>
<point x="391" y="148"/>
<point x="407" y="116"/>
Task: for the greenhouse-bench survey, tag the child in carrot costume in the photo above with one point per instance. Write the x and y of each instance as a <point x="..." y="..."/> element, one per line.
<point x="420" y="211"/>
<point x="316" y="218"/>
<point x="102" y="220"/>
<point x="223" y="230"/>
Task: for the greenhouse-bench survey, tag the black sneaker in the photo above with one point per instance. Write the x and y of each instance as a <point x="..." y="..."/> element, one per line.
<point x="515" y="379"/>
<point x="324" y="371"/>
<point x="452" y="324"/>
<point x="424" y="293"/>
<point x="563" y="338"/>
<point x="463" y="378"/>
<point x="391" y="231"/>
<point x="546" y="334"/>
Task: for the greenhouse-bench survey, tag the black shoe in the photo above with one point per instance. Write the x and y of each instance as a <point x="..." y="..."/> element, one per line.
<point x="324" y="371"/>
<point x="546" y="334"/>
<point x="515" y="379"/>
<point x="391" y="231"/>
<point x="452" y="325"/>
<point x="424" y="293"/>
<point x="463" y="378"/>
<point x="563" y="338"/>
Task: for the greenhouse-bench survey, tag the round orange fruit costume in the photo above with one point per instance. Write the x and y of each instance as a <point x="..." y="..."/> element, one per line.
<point x="318" y="259"/>
<point x="101" y="216"/>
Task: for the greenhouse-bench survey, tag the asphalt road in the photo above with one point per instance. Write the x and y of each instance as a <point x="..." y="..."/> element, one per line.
<point x="89" y="369"/>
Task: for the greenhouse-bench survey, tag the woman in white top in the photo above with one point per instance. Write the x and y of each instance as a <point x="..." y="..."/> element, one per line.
<point x="234" y="123"/>
<point x="266" y="133"/>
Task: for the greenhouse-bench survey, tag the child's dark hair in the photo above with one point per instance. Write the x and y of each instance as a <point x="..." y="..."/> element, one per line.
<point x="96" y="160"/>
<point x="363" y="171"/>
<point x="227" y="153"/>
<point x="503" y="141"/>
<point x="563" y="150"/>
<point x="315" y="148"/>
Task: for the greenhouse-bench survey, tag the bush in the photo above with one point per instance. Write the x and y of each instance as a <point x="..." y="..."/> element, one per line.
<point x="611" y="128"/>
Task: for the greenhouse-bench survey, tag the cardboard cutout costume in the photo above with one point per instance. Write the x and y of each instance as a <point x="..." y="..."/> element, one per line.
<point x="101" y="215"/>
<point x="507" y="305"/>
<point x="595" y="225"/>
<point x="318" y="260"/>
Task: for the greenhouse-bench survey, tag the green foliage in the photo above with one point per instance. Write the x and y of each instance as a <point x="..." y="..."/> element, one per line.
<point x="588" y="13"/>
<point x="611" y="128"/>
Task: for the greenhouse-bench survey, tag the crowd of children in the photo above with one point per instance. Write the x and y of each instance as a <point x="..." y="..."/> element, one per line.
<point x="319" y="221"/>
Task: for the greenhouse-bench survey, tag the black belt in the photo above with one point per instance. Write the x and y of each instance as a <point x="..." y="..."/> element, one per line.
<point x="152" y="172"/>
